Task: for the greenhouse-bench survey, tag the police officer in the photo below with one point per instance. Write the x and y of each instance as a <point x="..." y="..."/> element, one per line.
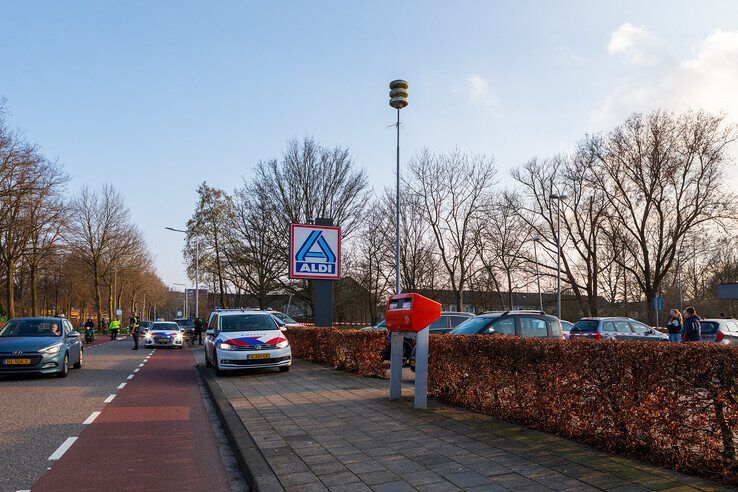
<point x="198" y="330"/>
<point x="134" y="330"/>
<point x="114" y="327"/>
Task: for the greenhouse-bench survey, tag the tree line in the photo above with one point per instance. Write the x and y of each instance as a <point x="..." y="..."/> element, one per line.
<point x="65" y="253"/>
<point x="643" y="209"/>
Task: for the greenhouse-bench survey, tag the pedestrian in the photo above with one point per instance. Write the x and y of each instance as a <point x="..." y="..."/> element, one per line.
<point x="674" y="326"/>
<point x="198" y="329"/>
<point x="114" y="327"/>
<point x="134" y="330"/>
<point x="104" y="326"/>
<point x="691" y="327"/>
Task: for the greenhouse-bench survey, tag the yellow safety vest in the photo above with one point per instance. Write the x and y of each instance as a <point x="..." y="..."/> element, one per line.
<point x="114" y="325"/>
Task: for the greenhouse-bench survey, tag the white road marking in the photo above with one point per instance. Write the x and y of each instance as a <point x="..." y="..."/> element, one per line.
<point x="63" y="448"/>
<point x="91" y="418"/>
<point x="121" y="386"/>
<point x="130" y="376"/>
<point x="140" y="365"/>
<point x="136" y="369"/>
<point x="109" y="399"/>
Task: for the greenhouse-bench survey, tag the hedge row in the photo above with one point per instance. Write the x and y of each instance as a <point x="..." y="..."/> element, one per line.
<point x="351" y="350"/>
<point x="671" y="404"/>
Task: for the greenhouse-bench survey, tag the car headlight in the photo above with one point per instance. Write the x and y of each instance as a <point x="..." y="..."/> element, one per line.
<point x="283" y="344"/>
<point x="178" y="336"/>
<point x="225" y="346"/>
<point x="54" y="349"/>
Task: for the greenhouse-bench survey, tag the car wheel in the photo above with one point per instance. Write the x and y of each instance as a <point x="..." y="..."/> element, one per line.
<point x="65" y="368"/>
<point x="207" y="360"/>
<point x="78" y="365"/>
<point x="284" y="369"/>
<point x="218" y="370"/>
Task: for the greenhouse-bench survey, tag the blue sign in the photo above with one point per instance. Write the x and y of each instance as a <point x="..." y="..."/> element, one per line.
<point x="658" y="303"/>
<point x="315" y="252"/>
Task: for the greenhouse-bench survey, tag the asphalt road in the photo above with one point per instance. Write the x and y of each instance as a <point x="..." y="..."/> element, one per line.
<point x="37" y="414"/>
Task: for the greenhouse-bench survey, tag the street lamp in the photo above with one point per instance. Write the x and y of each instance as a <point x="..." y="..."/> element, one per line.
<point x="197" y="271"/>
<point x="558" y="197"/>
<point x="538" y="276"/>
<point x="679" y="254"/>
<point x="184" y="298"/>
<point x="398" y="100"/>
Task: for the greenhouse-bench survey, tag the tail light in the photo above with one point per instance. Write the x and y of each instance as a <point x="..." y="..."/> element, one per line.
<point x="597" y="335"/>
<point x="719" y="336"/>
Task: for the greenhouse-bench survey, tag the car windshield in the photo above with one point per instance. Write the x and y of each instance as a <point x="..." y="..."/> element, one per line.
<point x="247" y="322"/>
<point x="185" y="322"/>
<point x="165" y="326"/>
<point x="144" y="324"/>
<point x="382" y="324"/>
<point x="283" y="317"/>
<point x="32" y="328"/>
<point x="472" y="326"/>
<point x="585" y="326"/>
<point x="708" y="327"/>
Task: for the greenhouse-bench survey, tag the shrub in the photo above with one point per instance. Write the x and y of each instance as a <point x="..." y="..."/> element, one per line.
<point x="671" y="404"/>
<point x="351" y="350"/>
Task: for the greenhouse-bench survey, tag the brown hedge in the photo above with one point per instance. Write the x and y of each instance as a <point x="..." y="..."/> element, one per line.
<point x="672" y="404"/>
<point x="351" y="350"/>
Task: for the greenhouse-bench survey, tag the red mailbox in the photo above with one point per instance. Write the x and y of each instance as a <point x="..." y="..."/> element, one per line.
<point x="411" y="312"/>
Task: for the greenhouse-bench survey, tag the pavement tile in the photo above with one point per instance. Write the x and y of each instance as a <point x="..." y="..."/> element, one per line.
<point x="350" y="487"/>
<point x="438" y="487"/>
<point x="334" y="466"/>
<point x="467" y="479"/>
<point x="374" y="478"/>
<point x="398" y="486"/>
<point x="297" y="478"/>
<point x="339" y="478"/>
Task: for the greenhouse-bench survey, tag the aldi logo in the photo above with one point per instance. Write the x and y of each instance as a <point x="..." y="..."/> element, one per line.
<point x="315" y="252"/>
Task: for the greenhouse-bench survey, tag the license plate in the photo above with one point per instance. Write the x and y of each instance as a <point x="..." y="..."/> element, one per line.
<point x="259" y="356"/>
<point x="19" y="362"/>
<point x="162" y="340"/>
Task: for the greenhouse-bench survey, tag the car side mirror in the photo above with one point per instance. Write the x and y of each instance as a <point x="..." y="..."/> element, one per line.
<point x="75" y="334"/>
<point x="282" y="328"/>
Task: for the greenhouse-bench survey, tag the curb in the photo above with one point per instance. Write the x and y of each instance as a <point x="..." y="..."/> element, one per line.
<point x="253" y="465"/>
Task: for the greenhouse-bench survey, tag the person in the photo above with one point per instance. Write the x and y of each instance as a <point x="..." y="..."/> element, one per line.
<point x="134" y="329"/>
<point x="674" y="326"/>
<point x="198" y="329"/>
<point x="55" y="329"/>
<point x="104" y="325"/>
<point x="691" y="327"/>
<point x="114" y="327"/>
<point x="89" y="324"/>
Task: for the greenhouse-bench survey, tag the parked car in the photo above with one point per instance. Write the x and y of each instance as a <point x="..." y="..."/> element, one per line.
<point x="521" y="323"/>
<point x="723" y="331"/>
<point x="241" y="339"/>
<point x="382" y="325"/>
<point x="566" y="327"/>
<point x="284" y="320"/>
<point x="615" y="328"/>
<point x="39" y="345"/>
<point x="447" y="322"/>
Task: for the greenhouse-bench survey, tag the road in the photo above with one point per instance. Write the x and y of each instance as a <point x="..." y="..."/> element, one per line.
<point x="73" y="434"/>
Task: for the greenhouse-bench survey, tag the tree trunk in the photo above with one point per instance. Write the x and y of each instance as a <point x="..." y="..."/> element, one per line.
<point x="34" y="290"/>
<point x="10" y="291"/>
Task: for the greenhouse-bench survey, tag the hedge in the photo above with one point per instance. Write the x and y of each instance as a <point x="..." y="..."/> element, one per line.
<point x="350" y="350"/>
<point x="671" y="404"/>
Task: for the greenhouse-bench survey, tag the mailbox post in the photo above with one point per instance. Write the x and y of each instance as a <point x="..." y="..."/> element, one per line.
<point x="410" y="314"/>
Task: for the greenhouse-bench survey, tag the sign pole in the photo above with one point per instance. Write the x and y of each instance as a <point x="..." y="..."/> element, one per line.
<point x="421" y="370"/>
<point x="396" y="349"/>
<point x="323" y="290"/>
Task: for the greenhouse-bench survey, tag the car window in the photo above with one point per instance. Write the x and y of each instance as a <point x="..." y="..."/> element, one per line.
<point x="567" y="325"/>
<point x="283" y="317"/>
<point x="473" y="326"/>
<point x="165" y="326"/>
<point x="504" y="326"/>
<point x="533" y="327"/>
<point x="608" y="326"/>
<point x="585" y="326"/>
<point x="68" y="327"/>
<point x="247" y="322"/>
<point x="31" y="328"/>
<point x="732" y="326"/>
<point x="439" y="324"/>
<point x="213" y="323"/>
<point x="457" y="320"/>
<point x="638" y="328"/>
<point x="708" y="327"/>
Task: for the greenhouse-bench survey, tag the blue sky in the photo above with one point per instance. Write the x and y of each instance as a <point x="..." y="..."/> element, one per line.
<point x="156" y="97"/>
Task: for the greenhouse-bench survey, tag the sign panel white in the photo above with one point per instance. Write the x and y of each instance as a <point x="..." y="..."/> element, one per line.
<point x="315" y="252"/>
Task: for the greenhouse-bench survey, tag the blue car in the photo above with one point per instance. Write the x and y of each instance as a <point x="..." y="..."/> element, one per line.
<point x="39" y="346"/>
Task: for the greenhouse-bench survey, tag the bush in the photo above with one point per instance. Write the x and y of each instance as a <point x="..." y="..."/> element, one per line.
<point x="351" y="350"/>
<point x="671" y="404"/>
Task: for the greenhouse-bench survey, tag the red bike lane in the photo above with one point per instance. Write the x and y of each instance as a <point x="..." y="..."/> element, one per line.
<point x="154" y="435"/>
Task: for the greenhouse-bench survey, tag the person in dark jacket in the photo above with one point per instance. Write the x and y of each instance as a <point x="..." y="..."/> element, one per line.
<point x="674" y="326"/>
<point x="691" y="327"/>
<point x="198" y="330"/>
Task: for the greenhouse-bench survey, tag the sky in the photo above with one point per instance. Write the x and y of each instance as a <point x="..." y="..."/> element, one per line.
<point x="156" y="97"/>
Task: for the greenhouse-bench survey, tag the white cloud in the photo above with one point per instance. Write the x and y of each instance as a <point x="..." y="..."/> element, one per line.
<point x="706" y="78"/>
<point x="478" y="91"/>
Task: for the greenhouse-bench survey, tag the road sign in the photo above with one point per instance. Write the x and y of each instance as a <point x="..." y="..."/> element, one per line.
<point x="315" y="252"/>
<point x="658" y="303"/>
<point x="119" y="312"/>
<point x="728" y="291"/>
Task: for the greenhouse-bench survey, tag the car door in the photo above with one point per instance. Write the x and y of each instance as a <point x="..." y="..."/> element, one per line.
<point x="608" y="331"/>
<point x="533" y="327"/>
<point x="622" y="330"/>
<point x="439" y="326"/>
<point x="71" y="338"/>
<point x="210" y="339"/>
<point x="502" y="326"/>
<point x="641" y="331"/>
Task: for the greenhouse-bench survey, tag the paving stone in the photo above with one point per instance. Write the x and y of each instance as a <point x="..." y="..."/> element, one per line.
<point x="398" y="486"/>
<point x="467" y="479"/>
<point x="340" y="478"/>
<point x="297" y="478"/>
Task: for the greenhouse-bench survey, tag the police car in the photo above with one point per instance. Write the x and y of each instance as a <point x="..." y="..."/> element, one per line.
<point x="163" y="334"/>
<point x="241" y="339"/>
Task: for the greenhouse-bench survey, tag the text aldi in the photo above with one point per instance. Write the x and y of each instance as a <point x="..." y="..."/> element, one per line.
<point x="315" y="252"/>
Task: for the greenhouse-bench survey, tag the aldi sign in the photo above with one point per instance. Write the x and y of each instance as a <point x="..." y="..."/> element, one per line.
<point x="315" y="252"/>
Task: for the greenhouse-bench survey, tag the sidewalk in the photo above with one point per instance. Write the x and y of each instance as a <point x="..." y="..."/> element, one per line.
<point x="321" y="429"/>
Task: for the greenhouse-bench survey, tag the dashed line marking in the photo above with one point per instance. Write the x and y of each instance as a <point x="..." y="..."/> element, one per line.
<point x="136" y="369"/>
<point x="109" y="399"/>
<point x="91" y="418"/>
<point x="121" y="386"/>
<point x="141" y="365"/>
<point x="130" y="376"/>
<point x="63" y="448"/>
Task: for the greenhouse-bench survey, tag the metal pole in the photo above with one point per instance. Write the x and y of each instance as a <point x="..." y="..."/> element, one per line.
<point x="398" y="285"/>
<point x="197" y="279"/>
<point x="558" y="258"/>
<point x="538" y="276"/>
<point x="679" y="280"/>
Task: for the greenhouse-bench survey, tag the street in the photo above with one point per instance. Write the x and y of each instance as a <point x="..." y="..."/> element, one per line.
<point x="127" y="419"/>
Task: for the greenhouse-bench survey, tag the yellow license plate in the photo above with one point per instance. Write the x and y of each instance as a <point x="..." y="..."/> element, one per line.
<point x="17" y="361"/>
<point x="259" y="356"/>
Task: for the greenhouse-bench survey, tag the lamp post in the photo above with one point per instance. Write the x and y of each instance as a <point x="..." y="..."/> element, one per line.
<point x="184" y="299"/>
<point x="558" y="197"/>
<point x="398" y="100"/>
<point x="538" y="276"/>
<point x="197" y="271"/>
<point x="679" y="278"/>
